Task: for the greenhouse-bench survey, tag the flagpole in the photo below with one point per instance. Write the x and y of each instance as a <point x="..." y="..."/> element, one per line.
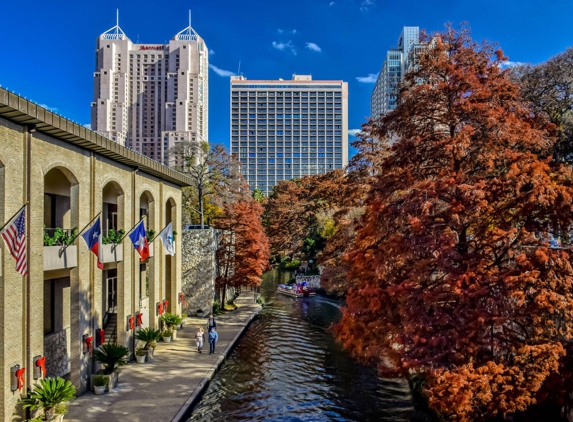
<point x="127" y="234"/>
<point x="158" y="234"/>
<point x="12" y="218"/>
<point x="78" y="235"/>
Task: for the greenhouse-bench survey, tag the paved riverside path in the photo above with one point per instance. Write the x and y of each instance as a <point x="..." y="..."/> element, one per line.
<point x="162" y="389"/>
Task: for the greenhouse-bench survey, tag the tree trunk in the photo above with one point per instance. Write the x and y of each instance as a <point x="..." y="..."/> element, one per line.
<point x="201" y="208"/>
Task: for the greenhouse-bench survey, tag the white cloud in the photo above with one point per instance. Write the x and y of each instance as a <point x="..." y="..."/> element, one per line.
<point x="370" y="79"/>
<point x="509" y="63"/>
<point x="88" y="126"/>
<point x="366" y="4"/>
<point x="312" y="46"/>
<point x="211" y="53"/>
<point x="285" y="46"/>
<point x="332" y="3"/>
<point x="294" y="31"/>
<point x="53" y="109"/>
<point x="221" y="72"/>
<point x="287" y="31"/>
<point x="354" y="132"/>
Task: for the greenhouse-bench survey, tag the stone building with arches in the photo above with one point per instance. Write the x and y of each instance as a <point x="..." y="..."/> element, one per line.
<point x="68" y="174"/>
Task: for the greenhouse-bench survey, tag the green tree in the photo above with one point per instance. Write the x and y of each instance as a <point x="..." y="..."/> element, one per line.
<point x="214" y="173"/>
<point x="258" y="195"/>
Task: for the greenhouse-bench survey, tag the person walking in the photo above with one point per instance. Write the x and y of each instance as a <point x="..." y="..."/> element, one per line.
<point x="200" y="339"/>
<point x="211" y="323"/>
<point x="213" y="338"/>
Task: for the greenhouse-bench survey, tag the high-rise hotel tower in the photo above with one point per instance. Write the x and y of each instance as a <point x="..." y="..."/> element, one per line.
<point x="288" y="129"/>
<point x="149" y="97"/>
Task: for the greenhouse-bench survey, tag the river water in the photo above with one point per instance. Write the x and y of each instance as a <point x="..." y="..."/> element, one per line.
<point x="288" y="367"/>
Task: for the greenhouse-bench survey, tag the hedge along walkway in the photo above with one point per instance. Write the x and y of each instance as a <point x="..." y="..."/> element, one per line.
<point x="166" y="388"/>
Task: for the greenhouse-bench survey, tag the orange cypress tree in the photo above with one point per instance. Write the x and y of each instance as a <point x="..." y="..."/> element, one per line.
<point x="452" y="274"/>
<point x="243" y="252"/>
<point x="287" y="217"/>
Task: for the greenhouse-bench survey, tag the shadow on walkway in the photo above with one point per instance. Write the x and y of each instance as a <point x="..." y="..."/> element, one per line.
<point x="162" y="389"/>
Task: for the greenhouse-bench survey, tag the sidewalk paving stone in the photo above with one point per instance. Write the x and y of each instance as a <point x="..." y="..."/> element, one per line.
<point x="164" y="389"/>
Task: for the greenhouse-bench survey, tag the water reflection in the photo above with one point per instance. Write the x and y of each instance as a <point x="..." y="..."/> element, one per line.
<point x="288" y="367"/>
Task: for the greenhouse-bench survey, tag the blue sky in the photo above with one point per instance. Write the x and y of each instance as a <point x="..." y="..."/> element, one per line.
<point x="47" y="52"/>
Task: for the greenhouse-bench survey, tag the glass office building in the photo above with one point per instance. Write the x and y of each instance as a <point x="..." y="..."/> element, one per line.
<point x="397" y="62"/>
<point x="282" y="130"/>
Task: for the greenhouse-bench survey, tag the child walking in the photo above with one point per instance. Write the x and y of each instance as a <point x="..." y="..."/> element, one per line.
<point x="200" y="339"/>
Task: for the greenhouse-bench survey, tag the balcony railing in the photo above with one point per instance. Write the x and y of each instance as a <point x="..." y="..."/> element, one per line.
<point x="58" y="236"/>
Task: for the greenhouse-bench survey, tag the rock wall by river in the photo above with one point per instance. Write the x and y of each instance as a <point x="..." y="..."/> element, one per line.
<point x="199" y="269"/>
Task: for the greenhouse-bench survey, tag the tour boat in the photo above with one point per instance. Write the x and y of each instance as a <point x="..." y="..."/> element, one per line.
<point x="290" y="291"/>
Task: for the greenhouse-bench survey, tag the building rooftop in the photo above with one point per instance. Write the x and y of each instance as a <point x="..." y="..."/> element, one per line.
<point x="297" y="81"/>
<point x="116" y="33"/>
<point x="24" y="112"/>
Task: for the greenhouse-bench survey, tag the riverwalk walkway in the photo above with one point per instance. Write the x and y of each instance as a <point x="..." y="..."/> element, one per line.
<point x="167" y="387"/>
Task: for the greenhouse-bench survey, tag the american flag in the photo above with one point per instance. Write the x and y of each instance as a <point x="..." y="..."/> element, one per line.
<point x="15" y="237"/>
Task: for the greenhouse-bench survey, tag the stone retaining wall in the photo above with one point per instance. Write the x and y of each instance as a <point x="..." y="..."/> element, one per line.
<point x="199" y="269"/>
<point x="56" y="353"/>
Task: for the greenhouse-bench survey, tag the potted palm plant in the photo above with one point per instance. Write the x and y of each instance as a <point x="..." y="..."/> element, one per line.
<point x="48" y="395"/>
<point x="100" y="383"/>
<point x="111" y="356"/>
<point x="171" y="321"/>
<point x="140" y="354"/>
<point x="167" y="334"/>
<point x="150" y="336"/>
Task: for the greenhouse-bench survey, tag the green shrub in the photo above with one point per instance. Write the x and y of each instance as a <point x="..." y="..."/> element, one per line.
<point x="167" y="333"/>
<point x="140" y="351"/>
<point x="101" y="380"/>
<point x="111" y="356"/>
<point x="60" y="237"/>
<point x="62" y="409"/>
<point x="48" y="393"/>
<point x="216" y="307"/>
<point x="150" y="336"/>
<point x="170" y="320"/>
<point x="113" y="236"/>
<point x="261" y="300"/>
<point x="290" y="265"/>
<point x="150" y="235"/>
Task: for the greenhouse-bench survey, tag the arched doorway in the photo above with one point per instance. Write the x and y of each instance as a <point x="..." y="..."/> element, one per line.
<point x="61" y="193"/>
<point x="112" y="291"/>
<point x="147" y="294"/>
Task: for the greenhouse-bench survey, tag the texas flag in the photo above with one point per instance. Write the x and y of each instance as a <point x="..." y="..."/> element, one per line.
<point x="139" y="239"/>
<point x="92" y="238"/>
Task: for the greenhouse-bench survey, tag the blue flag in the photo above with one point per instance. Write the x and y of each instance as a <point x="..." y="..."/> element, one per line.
<point x="92" y="238"/>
